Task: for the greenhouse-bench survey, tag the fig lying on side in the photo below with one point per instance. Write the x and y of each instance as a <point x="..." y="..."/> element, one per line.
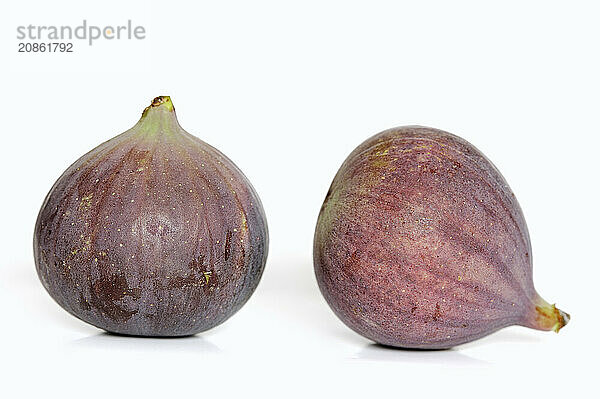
<point x="152" y="233"/>
<point x="420" y="243"/>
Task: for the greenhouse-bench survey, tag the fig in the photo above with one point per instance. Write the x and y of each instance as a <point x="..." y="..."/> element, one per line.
<point x="420" y="243"/>
<point x="152" y="233"/>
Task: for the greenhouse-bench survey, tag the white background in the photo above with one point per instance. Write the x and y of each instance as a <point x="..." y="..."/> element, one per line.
<point x="287" y="90"/>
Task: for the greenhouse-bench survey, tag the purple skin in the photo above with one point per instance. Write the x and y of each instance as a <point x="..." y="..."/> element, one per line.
<point x="153" y="233"/>
<point x="420" y="243"/>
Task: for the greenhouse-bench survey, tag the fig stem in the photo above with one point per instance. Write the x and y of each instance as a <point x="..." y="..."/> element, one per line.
<point x="163" y="102"/>
<point x="158" y="119"/>
<point x="158" y="101"/>
<point x="549" y="317"/>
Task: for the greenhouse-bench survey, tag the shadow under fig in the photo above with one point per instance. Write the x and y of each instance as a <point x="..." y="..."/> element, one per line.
<point x="106" y="340"/>
<point x="378" y="352"/>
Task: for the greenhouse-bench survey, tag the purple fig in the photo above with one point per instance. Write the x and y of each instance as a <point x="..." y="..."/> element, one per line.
<point x="420" y="243"/>
<point x="153" y="233"/>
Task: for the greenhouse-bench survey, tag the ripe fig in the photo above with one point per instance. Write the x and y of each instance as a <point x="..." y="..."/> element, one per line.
<point x="420" y="243"/>
<point x="153" y="233"/>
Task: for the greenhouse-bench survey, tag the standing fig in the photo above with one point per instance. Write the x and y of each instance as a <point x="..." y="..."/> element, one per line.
<point x="420" y="243"/>
<point x="152" y="233"/>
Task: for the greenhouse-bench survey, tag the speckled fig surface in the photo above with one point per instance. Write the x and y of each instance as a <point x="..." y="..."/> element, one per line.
<point x="152" y="233"/>
<point x="420" y="243"/>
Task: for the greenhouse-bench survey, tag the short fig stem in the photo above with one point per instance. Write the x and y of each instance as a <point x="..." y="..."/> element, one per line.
<point x="158" y="119"/>
<point x="158" y="101"/>
<point x="549" y="317"/>
<point x="162" y="102"/>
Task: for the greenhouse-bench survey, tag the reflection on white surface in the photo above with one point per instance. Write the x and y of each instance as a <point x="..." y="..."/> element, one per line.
<point x="509" y="335"/>
<point x="106" y="341"/>
<point x="454" y="357"/>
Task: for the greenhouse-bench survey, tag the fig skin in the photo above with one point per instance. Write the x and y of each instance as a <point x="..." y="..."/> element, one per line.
<point x="152" y="233"/>
<point x="420" y="243"/>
